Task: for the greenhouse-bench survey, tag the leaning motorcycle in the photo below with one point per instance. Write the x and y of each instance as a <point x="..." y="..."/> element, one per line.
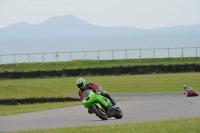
<point x="100" y="105"/>
<point x="190" y="92"/>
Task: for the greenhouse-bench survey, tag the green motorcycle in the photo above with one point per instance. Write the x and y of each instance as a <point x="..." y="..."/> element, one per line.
<point x="100" y="105"/>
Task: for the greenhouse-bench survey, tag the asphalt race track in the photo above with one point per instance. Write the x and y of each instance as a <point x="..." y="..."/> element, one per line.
<point x="136" y="107"/>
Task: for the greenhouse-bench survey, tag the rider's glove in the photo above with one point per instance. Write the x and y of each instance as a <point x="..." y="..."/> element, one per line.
<point x="97" y="91"/>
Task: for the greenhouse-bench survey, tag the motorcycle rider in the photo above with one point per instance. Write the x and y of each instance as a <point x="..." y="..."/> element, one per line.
<point x="186" y="90"/>
<point x="82" y="85"/>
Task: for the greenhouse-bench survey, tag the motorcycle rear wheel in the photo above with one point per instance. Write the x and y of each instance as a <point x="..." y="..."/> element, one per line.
<point x="119" y="114"/>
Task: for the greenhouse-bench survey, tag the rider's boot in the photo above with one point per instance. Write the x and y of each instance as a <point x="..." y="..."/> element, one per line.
<point x="114" y="103"/>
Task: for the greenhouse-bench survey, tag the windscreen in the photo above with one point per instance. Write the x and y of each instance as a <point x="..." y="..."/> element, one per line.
<point x="86" y="93"/>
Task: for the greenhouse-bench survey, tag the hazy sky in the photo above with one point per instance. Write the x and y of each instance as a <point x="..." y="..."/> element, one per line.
<point x="144" y="14"/>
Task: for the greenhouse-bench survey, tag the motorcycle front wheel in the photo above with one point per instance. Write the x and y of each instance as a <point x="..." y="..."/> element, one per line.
<point x="100" y="112"/>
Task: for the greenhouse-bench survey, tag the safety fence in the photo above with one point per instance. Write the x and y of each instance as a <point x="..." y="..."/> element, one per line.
<point x="101" y="55"/>
<point x="106" y="71"/>
<point x="32" y="100"/>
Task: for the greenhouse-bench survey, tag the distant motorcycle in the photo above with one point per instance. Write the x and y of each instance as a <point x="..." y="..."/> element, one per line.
<point x="190" y="92"/>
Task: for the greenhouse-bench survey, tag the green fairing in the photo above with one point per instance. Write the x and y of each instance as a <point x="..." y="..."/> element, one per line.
<point x="92" y="98"/>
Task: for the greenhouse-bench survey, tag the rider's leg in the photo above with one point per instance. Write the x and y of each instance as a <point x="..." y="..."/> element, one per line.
<point x="105" y="94"/>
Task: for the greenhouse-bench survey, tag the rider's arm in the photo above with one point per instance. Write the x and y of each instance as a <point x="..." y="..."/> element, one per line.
<point x="81" y="95"/>
<point x="93" y="86"/>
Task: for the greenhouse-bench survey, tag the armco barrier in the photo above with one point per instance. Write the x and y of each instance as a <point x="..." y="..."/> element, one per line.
<point x="147" y="69"/>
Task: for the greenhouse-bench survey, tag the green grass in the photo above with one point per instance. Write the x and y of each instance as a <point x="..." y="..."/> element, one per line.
<point x="93" y="64"/>
<point x="16" y="109"/>
<point x="60" y="87"/>
<point x="186" y="125"/>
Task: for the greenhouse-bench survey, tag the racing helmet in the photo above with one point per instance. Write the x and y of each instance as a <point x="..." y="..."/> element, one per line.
<point x="185" y="86"/>
<point x="80" y="83"/>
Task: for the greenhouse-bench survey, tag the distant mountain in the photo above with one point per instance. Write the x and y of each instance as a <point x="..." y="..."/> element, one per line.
<point x="69" y="33"/>
<point x="69" y="26"/>
<point x="60" y="27"/>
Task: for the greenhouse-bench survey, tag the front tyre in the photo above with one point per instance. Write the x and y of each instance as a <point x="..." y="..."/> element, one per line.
<point x="119" y="114"/>
<point x="100" y="112"/>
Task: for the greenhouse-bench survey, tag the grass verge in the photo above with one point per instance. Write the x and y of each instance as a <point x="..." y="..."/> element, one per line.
<point x="53" y="87"/>
<point x="93" y="64"/>
<point x="186" y="125"/>
<point x="60" y="87"/>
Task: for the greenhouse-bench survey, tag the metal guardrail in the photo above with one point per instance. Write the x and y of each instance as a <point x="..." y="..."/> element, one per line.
<point x="101" y="55"/>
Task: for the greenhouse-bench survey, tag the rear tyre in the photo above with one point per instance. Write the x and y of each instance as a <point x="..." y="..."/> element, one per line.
<point x="100" y="112"/>
<point x="119" y="114"/>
